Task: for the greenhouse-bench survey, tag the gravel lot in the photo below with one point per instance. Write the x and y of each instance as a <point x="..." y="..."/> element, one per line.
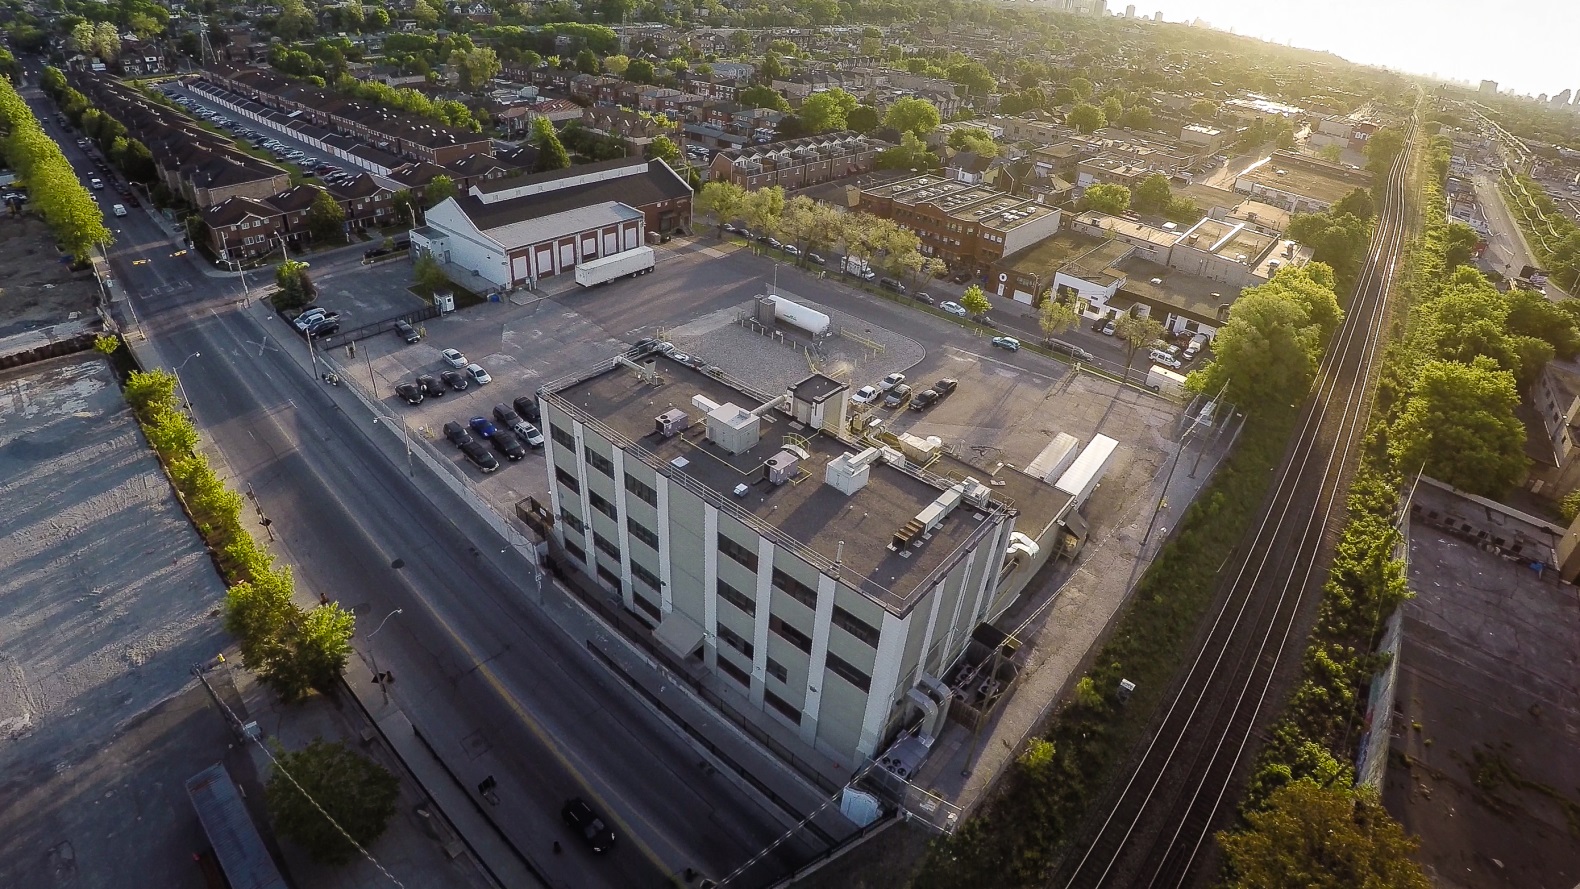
<point x="106" y="593"/>
<point x="772" y="365"/>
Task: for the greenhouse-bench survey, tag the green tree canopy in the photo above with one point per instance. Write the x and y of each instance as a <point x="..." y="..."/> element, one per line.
<point x="973" y="139"/>
<point x="551" y="151"/>
<point x="827" y="110"/>
<point x="911" y="154"/>
<point x="357" y="795"/>
<point x="1106" y="197"/>
<point x="437" y="190"/>
<point x="1458" y="423"/>
<point x="664" y="148"/>
<point x="759" y="96"/>
<point x="912" y="115"/>
<point x="1318" y="836"/>
<point x="975" y="301"/>
<point x="1085" y="118"/>
<point x="1152" y="193"/>
<point x="478" y="67"/>
<point x="1357" y="203"/>
<point x="325" y="218"/>
<point x="723" y="200"/>
<point x="1268" y="352"/>
<point x="862" y="119"/>
<point x="640" y="71"/>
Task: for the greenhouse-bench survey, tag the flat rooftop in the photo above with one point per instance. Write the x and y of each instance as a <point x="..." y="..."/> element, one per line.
<point x="973" y="204"/>
<point x="805" y="515"/>
<point x="1227" y="239"/>
<point x="1192" y="294"/>
<point x="1304" y="182"/>
<point x="1063" y="247"/>
<point x="1130" y="228"/>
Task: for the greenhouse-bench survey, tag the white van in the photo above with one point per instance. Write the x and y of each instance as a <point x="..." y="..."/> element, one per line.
<point x="1159" y="356"/>
<point x="1197" y="343"/>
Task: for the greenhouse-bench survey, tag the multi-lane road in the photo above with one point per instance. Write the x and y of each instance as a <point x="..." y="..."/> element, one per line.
<point x="472" y="644"/>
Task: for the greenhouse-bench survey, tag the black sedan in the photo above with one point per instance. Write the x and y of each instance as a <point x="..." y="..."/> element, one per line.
<point x="507" y="443"/>
<point x="582" y="819"/>
<point x="455" y="378"/>
<point x="458" y="434"/>
<point x="411" y="392"/>
<point x="430" y="386"/>
<point x="478" y="453"/>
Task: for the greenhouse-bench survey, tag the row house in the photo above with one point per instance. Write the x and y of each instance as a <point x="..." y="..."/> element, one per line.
<point x="241" y="228"/>
<point x="797" y="87"/>
<point x="634" y="127"/>
<point x="797" y="163"/>
<point x="970" y="227"/>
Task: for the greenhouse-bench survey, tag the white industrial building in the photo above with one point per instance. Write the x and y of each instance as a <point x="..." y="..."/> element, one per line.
<point x="821" y="582"/>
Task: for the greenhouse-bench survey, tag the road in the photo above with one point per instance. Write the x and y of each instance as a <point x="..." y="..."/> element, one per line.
<point x="1183" y="784"/>
<point x="1507" y="249"/>
<point x="475" y="655"/>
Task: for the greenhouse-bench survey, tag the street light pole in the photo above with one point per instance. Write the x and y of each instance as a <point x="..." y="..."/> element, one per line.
<point x="177" y="372"/>
<point x="405" y="437"/>
<point x="377" y="676"/>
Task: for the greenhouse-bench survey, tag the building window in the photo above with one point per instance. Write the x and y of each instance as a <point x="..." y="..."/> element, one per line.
<point x="609" y="577"/>
<point x="569" y="481"/>
<point x="641" y="490"/>
<point x="795" y="589"/>
<point x="600" y="504"/>
<point x="737" y="552"/>
<point x="578" y="552"/>
<point x="737" y="598"/>
<point x="855" y="626"/>
<point x="642" y="533"/>
<point x="647" y="607"/>
<point x="735" y="640"/>
<point x="782" y="706"/>
<point x="641" y="573"/>
<point x="572" y="522"/>
<point x="778" y="671"/>
<point x="790" y="634"/>
<point x="562" y="437"/>
<point x="734" y="672"/>
<point x="599" y="462"/>
<point x="848" y="672"/>
<point x="606" y="547"/>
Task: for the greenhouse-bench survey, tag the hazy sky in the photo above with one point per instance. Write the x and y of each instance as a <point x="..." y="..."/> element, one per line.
<point x="1529" y="46"/>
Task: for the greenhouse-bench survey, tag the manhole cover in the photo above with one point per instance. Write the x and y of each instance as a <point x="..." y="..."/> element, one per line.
<point x="398" y="564"/>
<point x="362" y="608"/>
<point x="475" y="744"/>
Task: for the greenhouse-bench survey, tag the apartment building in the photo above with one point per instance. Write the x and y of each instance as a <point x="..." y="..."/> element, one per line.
<point x="820" y="585"/>
<point x="970" y="227"/>
<point x="797" y="163"/>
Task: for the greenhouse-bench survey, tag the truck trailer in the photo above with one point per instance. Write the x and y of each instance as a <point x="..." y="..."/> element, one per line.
<point x="626" y="264"/>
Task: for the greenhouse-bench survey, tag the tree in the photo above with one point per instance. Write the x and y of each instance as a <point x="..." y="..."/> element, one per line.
<point x="664" y="148"/>
<point x="1383" y="146"/>
<point x="331" y="799"/>
<point x="1082" y="88"/>
<point x="862" y="119"/>
<point x="616" y="64"/>
<point x="1459" y="245"/>
<point x="1113" y="109"/>
<point x="426" y="15"/>
<point x="974" y="76"/>
<point x="325" y="218"/>
<point x="427" y="275"/>
<point x="1085" y="118"/>
<point x="723" y="200"/>
<point x="1152" y="193"/>
<point x="1531" y="314"/>
<point x="1267" y="353"/>
<point x="295" y="21"/>
<point x="586" y="62"/>
<point x="759" y="96"/>
<point x="1357" y="203"/>
<point x="640" y="71"/>
<point x="1458" y="424"/>
<point x="912" y="115"/>
<point x="1136" y="117"/>
<point x="1106" y="197"/>
<point x="376" y="18"/>
<point x="827" y="110"/>
<point x="1056" y="315"/>
<point x="295" y="287"/>
<point x="1137" y="333"/>
<point x="1331" y="153"/>
<point x="771" y="69"/>
<point x="808" y="224"/>
<point x="551" y="151"/>
<point x="1321" y="836"/>
<point x="438" y="189"/>
<point x="974" y="301"/>
<point x="478" y="67"/>
<point x="763" y="209"/>
<point x="406" y="205"/>
<point x="973" y="139"/>
<point x="911" y="154"/>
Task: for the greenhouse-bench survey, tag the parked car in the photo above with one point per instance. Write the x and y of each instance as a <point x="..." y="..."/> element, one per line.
<point x="457" y="434"/>
<point x="96" y="183"/>
<point x="1159" y="356"/>
<point x="953" y="308"/>
<point x="792" y="250"/>
<point x="815" y="259"/>
<point x="118" y="209"/>
<point x="946" y="386"/>
<point x="1007" y="342"/>
<point x="430" y="386"/>
<point x="453" y="358"/>
<point x="961" y="277"/>
<point x="455" y="378"/>
<point x="527" y="407"/>
<point x="924" y="297"/>
<point x="528" y="433"/>
<point x="483" y="426"/>
<point x="478" y="453"/>
<point x="890" y="381"/>
<point x="897" y="396"/>
<point x="504" y="416"/>
<point x="892" y="284"/>
<point x="308" y="318"/>
<point x="730" y="227"/>
<point x="506" y="442"/>
<point x="1108" y="327"/>
<point x="409" y="391"/>
<point x="865" y="395"/>
<point x="407" y="332"/>
<point x="324" y="328"/>
<point x="924" y="399"/>
<point x="582" y="819"/>
<point x="478" y="374"/>
<point x="1069" y="349"/>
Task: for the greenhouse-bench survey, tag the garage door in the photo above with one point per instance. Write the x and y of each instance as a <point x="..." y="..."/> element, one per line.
<point x="611" y="242"/>
<point x="567" y="254"/>
<point x="518" y="269"/>
<point x="545" y="261"/>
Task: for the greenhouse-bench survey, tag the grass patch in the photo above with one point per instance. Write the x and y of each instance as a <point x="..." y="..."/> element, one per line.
<point x="1041" y="802"/>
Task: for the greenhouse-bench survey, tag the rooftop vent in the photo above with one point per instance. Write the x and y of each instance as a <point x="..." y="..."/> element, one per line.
<point x="848" y="472"/>
<point x="781" y="467"/>
<point x="929" y="518"/>
<point x="671" y="423"/>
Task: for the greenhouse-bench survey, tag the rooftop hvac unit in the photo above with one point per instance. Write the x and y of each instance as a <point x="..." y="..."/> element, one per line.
<point x="671" y="423"/>
<point x="704" y="403"/>
<point x="781" y="467"/>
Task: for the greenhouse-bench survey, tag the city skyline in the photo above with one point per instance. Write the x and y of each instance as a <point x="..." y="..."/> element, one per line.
<point x="1527" y="58"/>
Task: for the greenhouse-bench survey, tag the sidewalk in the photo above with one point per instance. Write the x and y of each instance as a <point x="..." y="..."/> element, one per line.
<point x="424" y="732"/>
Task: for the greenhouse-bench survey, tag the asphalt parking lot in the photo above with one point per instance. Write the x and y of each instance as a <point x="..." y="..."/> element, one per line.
<point x="368" y="294"/>
<point x="265" y="130"/>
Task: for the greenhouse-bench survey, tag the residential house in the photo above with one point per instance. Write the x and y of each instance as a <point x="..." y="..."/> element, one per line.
<point x="797" y="163"/>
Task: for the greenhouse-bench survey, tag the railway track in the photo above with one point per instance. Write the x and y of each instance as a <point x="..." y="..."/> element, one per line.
<point x="1159" y="826"/>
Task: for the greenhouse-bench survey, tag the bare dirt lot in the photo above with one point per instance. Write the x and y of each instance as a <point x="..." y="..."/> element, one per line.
<point x="37" y="285"/>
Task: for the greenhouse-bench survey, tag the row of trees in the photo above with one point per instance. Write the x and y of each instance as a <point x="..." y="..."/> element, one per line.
<point x="1550" y="231"/>
<point x="1153" y="194"/>
<point x="129" y="155"/>
<point x="57" y="195"/>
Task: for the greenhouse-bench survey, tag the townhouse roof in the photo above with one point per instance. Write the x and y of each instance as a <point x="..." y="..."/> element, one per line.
<point x="291" y="200"/>
<point x="233" y="210"/>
